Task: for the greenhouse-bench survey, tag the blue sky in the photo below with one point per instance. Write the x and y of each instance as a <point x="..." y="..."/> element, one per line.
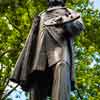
<point x="97" y="4"/>
<point x="18" y="94"/>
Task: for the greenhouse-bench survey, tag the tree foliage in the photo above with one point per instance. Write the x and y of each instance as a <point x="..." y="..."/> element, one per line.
<point x="15" y="21"/>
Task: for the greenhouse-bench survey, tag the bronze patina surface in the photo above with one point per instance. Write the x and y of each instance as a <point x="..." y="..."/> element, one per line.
<point x="45" y="66"/>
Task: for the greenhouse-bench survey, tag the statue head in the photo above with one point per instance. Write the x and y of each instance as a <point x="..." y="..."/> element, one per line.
<point x="52" y="3"/>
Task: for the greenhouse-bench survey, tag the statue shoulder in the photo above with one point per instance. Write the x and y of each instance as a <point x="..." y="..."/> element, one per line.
<point x="67" y="15"/>
<point x="42" y="13"/>
<point x="71" y="10"/>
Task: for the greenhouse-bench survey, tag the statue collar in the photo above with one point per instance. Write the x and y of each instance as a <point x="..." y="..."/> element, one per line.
<point x="56" y="7"/>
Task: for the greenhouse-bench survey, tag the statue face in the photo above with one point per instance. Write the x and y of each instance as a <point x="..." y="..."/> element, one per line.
<point x="56" y="2"/>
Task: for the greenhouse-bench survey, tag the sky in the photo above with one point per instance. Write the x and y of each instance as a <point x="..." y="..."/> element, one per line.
<point x="18" y="94"/>
<point x="97" y="4"/>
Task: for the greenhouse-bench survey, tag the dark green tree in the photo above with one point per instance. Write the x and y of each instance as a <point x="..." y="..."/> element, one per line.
<point x="16" y="17"/>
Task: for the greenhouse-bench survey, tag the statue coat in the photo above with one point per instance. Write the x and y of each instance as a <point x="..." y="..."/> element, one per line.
<point x="33" y="62"/>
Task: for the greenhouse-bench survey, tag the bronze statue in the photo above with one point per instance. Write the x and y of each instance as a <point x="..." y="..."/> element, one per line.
<point x="45" y="65"/>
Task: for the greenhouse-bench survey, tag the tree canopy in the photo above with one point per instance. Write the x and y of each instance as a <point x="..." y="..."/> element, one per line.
<point x="16" y="17"/>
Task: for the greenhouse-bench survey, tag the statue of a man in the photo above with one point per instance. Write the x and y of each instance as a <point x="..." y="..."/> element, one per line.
<point x="45" y="65"/>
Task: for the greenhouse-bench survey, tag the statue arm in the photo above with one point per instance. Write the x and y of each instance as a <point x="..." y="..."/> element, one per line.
<point x="72" y="69"/>
<point x="74" y="28"/>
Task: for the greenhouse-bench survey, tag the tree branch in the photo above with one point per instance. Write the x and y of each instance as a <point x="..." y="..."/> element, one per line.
<point x="28" y="13"/>
<point x="9" y="50"/>
<point x="5" y="96"/>
<point x="19" y="30"/>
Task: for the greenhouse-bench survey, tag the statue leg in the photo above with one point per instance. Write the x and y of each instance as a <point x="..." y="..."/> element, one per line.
<point x="61" y="81"/>
<point x="38" y="94"/>
<point x="40" y="89"/>
<point x="34" y="93"/>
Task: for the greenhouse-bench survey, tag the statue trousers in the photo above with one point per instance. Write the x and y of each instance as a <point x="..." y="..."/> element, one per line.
<point x="58" y="85"/>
